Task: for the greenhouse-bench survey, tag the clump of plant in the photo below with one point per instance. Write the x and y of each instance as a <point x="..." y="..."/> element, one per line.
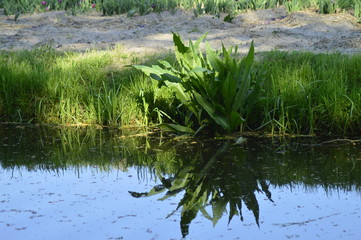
<point x="217" y="88"/>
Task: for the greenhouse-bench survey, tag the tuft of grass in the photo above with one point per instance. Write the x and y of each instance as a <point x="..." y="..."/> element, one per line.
<point x="313" y="93"/>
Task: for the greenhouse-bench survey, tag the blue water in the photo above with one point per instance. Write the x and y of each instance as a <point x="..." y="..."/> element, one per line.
<point x="88" y="203"/>
<point x="75" y="183"/>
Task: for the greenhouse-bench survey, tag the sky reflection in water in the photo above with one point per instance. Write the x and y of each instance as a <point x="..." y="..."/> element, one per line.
<point x="73" y="200"/>
<point x="97" y="205"/>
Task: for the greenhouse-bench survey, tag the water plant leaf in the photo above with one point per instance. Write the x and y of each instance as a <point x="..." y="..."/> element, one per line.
<point x="214" y="60"/>
<point x="232" y="209"/>
<point x="228" y="91"/>
<point x="215" y="87"/>
<point x="177" y="128"/>
<point x="220" y="120"/>
<point x="218" y="208"/>
<point x="170" y="78"/>
<point x="180" y="93"/>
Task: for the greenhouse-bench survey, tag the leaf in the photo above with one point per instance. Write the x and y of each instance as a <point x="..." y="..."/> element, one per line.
<point x="155" y="190"/>
<point x="220" y="120"/>
<point x="186" y="218"/>
<point x="155" y="77"/>
<point x="181" y="94"/>
<point x="147" y="70"/>
<point x="177" y="128"/>
<point x="214" y="60"/>
<point x="177" y="40"/>
<point x="200" y="69"/>
<point x="218" y="208"/>
<point x="235" y="120"/>
<point x="232" y="208"/>
<point x="170" y="78"/>
<point x="228" y="92"/>
<point x="244" y="82"/>
<point x="252" y="204"/>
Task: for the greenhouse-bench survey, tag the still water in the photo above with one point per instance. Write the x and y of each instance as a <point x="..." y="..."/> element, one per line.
<point x="61" y="183"/>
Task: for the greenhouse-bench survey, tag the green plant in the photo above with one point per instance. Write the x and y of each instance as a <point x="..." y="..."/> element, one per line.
<point x="327" y="6"/>
<point x="357" y="12"/>
<point x="218" y="89"/>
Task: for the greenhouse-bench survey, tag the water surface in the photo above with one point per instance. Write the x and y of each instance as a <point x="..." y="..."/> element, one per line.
<point x="59" y="183"/>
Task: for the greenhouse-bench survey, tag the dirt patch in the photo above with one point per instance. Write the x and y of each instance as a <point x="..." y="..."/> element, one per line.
<point x="270" y="29"/>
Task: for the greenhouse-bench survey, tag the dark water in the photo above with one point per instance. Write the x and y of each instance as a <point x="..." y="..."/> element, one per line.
<point x="58" y="183"/>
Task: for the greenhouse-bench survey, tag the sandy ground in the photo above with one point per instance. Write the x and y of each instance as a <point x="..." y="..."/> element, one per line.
<point x="270" y="29"/>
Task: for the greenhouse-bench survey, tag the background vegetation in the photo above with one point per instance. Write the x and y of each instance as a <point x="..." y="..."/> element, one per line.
<point x="131" y="7"/>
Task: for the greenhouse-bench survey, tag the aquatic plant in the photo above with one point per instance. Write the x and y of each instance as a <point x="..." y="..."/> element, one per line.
<point x="218" y="89"/>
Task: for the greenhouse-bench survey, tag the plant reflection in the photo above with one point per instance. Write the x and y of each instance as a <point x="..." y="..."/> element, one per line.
<point x="214" y="180"/>
<point x="213" y="176"/>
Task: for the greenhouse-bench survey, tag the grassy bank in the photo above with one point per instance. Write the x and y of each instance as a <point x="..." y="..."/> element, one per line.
<point x="303" y="93"/>
<point x="131" y="7"/>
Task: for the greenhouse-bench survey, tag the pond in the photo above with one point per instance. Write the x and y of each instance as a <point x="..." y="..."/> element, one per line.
<point x="88" y="183"/>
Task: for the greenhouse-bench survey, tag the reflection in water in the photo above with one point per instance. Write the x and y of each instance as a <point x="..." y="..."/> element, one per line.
<point x="211" y="176"/>
<point x="216" y="180"/>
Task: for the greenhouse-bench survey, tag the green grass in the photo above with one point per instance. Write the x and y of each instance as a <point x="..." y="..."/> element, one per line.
<point x="312" y="93"/>
<point x="303" y="93"/>
<point x="132" y="7"/>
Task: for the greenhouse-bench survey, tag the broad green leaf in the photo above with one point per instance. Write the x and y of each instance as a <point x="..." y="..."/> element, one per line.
<point x="200" y="69"/>
<point x="166" y="64"/>
<point x="180" y="182"/>
<point x="235" y="120"/>
<point x="147" y="70"/>
<point x="213" y="59"/>
<point x="177" y="40"/>
<point x="228" y="92"/>
<point x="170" y="78"/>
<point x="155" y="77"/>
<point x="244" y="85"/>
<point x="220" y="120"/>
<point x="180" y="92"/>
<point x="170" y="194"/>
<point x="177" y="128"/>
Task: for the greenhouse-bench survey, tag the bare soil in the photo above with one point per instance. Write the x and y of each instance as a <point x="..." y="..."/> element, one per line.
<point x="270" y="29"/>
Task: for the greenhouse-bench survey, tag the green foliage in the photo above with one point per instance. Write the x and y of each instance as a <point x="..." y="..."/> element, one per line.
<point x="229" y="18"/>
<point x="133" y="7"/>
<point x="306" y="93"/>
<point x="218" y="89"/>
<point x="327" y="6"/>
<point x="309" y="93"/>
